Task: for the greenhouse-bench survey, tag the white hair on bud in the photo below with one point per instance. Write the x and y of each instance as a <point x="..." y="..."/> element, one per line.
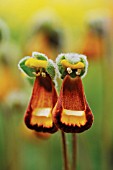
<point x="38" y="53"/>
<point x="25" y="58"/>
<point x="73" y="58"/>
<point x="52" y="62"/>
<point x="85" y="62"/>
<point x="59" y="57"/>
<point x="56" y="70"/>
<point x="54" y="65"/>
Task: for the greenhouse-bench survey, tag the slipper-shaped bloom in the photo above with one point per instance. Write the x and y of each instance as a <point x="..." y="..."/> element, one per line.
<point x="72" y="113"/>
<point x="38" y="115"/>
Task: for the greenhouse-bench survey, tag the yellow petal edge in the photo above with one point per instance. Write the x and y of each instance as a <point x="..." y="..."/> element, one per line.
<point x="78" y="65"/>
<point x="35" y="63"/>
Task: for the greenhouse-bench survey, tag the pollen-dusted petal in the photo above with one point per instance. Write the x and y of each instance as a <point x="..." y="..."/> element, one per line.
<point x="78" y="65"/>
<point x="34" y="63"/>
<point x="39" y="112"/>
<point x="71" y="112"/>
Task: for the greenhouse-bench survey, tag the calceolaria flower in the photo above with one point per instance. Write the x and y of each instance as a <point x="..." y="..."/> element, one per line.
<point x="38" y="115"/>
<point x="71" y="112"/>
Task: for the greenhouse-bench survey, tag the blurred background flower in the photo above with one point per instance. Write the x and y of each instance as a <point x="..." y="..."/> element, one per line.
<point x="53" y="27"/>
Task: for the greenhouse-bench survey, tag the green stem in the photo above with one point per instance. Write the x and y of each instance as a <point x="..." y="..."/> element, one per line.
<point x="65" y="157"/>
<point x="74" y="151"/>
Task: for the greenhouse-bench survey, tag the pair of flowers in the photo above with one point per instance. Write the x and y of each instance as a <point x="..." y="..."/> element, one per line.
<point x="48" y="112"/>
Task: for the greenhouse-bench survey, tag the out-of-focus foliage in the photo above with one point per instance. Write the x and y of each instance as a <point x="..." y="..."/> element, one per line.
<point x="20" y="148"/>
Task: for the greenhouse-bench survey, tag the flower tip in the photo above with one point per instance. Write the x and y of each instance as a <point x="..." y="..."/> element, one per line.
<point x="39" y="56"/>
<point x="73" y="64"/>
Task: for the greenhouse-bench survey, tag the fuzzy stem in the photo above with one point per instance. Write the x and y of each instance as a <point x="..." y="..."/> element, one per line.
<point x="65" y="157"/>
<point x="74" y="151"/>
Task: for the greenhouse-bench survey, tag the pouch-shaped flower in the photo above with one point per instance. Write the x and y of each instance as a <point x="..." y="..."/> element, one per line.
<point x="71" y="112"/>
<point x="38" y="115"/>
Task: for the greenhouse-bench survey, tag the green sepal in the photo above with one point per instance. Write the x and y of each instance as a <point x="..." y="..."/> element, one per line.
<point x="28" y="71"/>
<point x="50" y="69"/>
<point x="39" y="56"/>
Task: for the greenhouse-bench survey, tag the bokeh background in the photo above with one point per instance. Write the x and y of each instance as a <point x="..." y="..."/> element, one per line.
<point x="53" y="27"/>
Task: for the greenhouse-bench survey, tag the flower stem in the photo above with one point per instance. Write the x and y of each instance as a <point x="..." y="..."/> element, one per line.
<point x="74" y="151"/>
<point x="65" y="157"/>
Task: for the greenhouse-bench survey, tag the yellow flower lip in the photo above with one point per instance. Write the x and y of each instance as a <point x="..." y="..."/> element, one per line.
<point x="43" y="117"/>
<point x="78" y="65"/>
<point x="35" y="63"/>
<point x="72" y="117"/>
